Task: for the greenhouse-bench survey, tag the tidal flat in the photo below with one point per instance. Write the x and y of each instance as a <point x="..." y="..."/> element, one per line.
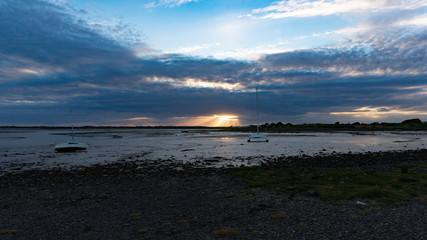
<point x="29" y="149"/>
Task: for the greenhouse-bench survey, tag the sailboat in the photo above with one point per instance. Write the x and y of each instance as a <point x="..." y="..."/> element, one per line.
<point x="257" y="135"/>
<point x="71" y="146"/>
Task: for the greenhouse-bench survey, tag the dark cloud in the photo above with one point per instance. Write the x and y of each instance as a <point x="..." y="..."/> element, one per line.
<point x="42" y="32"/>
<point x="50" y="60"/>
<point x="395" y="53"/>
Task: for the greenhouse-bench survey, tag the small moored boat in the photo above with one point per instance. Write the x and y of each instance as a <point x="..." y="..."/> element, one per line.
<point x="71" y="146"/>
<point x="257" y="135"/>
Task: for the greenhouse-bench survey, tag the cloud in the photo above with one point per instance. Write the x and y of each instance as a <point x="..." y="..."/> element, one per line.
<point x="214" y="121"/>
<point x="51" y="59"/>
<point x="380" y="112"/>
<point x="396" y="52"/>
<point x="139" y="118"/>
<point x="417" y="21"/>
<point x="310" y="8"/>
<point x="253" y="53"/>
<point x="168" y="3"/>
<point x="43" y="34"/>
<point x="190" y="49"/>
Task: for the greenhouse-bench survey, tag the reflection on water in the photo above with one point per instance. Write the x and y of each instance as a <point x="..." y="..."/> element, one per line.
<point x="366" y="141"/>
<point x="227" y="139"/>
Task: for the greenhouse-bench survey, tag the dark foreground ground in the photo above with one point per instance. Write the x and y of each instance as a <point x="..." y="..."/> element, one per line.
<point x="127" y="201"/>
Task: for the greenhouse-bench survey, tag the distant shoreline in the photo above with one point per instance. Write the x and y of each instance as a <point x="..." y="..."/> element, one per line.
<point x="407" y="125"/>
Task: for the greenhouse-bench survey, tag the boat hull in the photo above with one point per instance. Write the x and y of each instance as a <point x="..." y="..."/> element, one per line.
<point x="71" y="147"/>
<point x="257" y="137"/>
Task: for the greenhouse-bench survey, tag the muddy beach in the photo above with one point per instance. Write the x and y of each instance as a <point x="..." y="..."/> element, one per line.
<point x="29" y="149"/>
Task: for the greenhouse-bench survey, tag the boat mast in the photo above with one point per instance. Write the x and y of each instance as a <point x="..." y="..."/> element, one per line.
<point x="257" y="112"/>
<point x="257" y="135"/>
<point x="72" y="126"/>
<point x="72" y="132"/>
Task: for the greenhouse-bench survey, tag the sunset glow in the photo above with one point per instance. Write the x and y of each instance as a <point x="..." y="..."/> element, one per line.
<point x="379" y="112"/>
<point x="208" y="121"/>
<point x="224" y="120"/>
<point x="139" y="118"/>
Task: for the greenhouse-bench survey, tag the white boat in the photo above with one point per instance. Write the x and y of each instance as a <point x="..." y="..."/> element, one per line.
<point x="257" y="135"/>
<point x="72" y="145"/>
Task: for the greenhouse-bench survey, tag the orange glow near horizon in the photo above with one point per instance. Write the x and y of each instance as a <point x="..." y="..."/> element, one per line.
<point x="209" y="121"/>
<point x="225" y="120"/>
<point x="378" y="112"/>
<point x="139" y="118"/>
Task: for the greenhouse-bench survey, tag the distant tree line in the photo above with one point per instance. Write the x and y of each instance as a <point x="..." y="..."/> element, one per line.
<point x="410" y="124"/>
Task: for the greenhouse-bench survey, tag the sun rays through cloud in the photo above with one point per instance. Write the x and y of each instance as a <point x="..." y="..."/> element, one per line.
<point x="209" y="121"/>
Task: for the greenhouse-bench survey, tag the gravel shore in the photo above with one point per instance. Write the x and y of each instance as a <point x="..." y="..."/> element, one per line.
<point x="126" y="200"/>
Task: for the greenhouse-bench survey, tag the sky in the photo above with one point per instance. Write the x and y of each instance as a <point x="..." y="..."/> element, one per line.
<point x="199" y="62"/>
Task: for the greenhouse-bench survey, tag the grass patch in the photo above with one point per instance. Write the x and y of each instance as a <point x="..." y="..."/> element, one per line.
<point x="226" y="232"/>
<point x="412" y="168"/>
<point x="135" y="216"/>
<point x="7" y="231"/>
<point x="423" y="199"/>
<point x="334" y="184"/>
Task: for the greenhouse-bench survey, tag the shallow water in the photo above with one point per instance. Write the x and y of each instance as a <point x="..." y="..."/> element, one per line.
<point x="22" y="149"/>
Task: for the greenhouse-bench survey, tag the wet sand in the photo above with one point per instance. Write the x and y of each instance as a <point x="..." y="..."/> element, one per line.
<point x="28" y="149"/>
